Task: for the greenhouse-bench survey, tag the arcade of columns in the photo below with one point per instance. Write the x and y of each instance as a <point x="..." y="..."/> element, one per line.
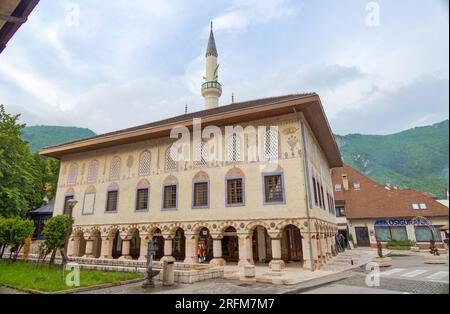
<point x="100" y="238"/>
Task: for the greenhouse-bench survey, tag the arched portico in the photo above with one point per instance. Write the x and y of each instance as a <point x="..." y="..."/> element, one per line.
<point x="179" y="245"/>
<point x="230" y="245"/>
<point x="261" y="245"/>
<point x="204" y="245"/>
<point x="291" y="244"/>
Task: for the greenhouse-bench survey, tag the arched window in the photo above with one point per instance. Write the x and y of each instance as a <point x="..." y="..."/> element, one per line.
<point x="270" y="143"/>
<point x="145" y="163"/>
<point x="201" y="157"/>
<point x="92" y="172"/>
<point x="234" y="148"/>
<point x="171" y="156"/>
<point x="73" y="173"/>
<point x="114" y="173"/>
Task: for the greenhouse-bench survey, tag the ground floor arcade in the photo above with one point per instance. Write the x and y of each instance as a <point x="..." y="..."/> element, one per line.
<point x="221" y="242"/>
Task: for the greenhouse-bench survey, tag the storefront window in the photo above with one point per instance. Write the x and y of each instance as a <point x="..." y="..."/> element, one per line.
<point x="423" y="234"/>
<point x="384" y="234"/>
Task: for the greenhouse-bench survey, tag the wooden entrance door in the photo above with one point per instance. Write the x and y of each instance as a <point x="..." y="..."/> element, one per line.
<point x="362" y="236"/>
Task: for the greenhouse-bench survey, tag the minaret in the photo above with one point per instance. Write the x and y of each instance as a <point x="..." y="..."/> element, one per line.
<point x="211" y="89"/>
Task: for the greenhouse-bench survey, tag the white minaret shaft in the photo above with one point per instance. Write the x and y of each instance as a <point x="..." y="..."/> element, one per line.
<point x="211" y="89"/>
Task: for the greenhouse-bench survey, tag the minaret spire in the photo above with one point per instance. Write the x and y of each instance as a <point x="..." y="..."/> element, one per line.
<point x="211" y="89"/>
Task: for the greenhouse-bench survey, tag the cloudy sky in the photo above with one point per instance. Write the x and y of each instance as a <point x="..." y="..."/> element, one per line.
<point x="379" y="66"/>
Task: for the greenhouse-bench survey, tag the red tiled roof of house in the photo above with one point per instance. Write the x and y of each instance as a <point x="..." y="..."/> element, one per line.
<point x="374" y="200"/>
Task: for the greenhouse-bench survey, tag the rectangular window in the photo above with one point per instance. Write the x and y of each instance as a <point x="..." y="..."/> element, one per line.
<point x="111" y="201"/>
<point x="273" y="187"/>
<point x="323" y="197"/>
<point x="201" y="194"/>
<point x="89" y="204"/>
<point x="142" y="199"/>
<point x="315" y="192"/>
<point x="170" y="197"/>
<point x="384" y="234"/>
<point x="66" y="204"/>
<point x="235" y="192"/>
<point x="423" y="234"/>
<point x="338" y="187"/>
<point x="319" y="195"/>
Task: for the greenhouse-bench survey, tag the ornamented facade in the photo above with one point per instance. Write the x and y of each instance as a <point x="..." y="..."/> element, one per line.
<point x="238" y="208"/>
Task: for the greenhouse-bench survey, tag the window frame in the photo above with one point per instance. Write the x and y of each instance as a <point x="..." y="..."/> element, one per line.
<point x="283" y="190"/>
<point x="136" y="200"/>
<point x="67" y="197"/>
<point x="163" y="195"/>
<point x="390" y="228"/>
<point x="316" y="198"/>
<point x="194" y="183"/>
<point x="338" y="210"/>
<point x="84" y="203"/>
<point x="117" y="201"/>
<point x="226" y="192"/>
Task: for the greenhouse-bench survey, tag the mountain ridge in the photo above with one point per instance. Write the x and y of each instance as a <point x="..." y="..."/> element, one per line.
<point x="415" y="158"/>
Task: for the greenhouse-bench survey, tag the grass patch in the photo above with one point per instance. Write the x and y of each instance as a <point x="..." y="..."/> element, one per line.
<point x="48" y="279"/>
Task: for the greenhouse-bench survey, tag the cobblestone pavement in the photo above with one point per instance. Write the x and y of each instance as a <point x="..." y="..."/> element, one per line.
<point x="408" y="275"/>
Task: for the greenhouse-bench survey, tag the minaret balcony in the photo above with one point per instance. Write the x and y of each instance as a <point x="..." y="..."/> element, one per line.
<point x="211" y="85"/>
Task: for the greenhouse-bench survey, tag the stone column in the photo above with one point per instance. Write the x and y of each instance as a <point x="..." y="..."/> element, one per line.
<point x="168" y="243"/>
<point x="71" y="247"/>
<point x="277" y="264"/>
<point x="323" y="248"/>
<point x="333" y="245"/>
<point x="143" y="247"/>
<point x="243" y="250"/>
<point x="106" y="248"/>
<point x="308" y="260"/>
<point x="191" y="248"/>
<point x="125" y="249"/>
<point x="319" y="248"/>
<point x="89" y="248"/>
<point x="328" y="244"/>
<point x="76" y="246"/>
<point x="217" y="251"/>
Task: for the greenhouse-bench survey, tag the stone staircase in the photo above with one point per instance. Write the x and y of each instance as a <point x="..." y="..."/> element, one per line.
<point x="349" y="260"/>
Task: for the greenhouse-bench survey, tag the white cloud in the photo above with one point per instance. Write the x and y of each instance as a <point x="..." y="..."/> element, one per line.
<point x="241" y="13"/>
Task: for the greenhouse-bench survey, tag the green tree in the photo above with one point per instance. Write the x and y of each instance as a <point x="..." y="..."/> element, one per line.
<point x="21" y="172"/>
<point x="55" y="231"/>
<point x="13" y="233"/>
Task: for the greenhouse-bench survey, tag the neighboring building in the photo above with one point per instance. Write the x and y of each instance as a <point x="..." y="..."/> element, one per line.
<point x="13" y="13"/>
<point x="40" y="216"/>
<point x="279" y="208"/>
<point x="371" y="212"/>
<point x="445" y="201"/>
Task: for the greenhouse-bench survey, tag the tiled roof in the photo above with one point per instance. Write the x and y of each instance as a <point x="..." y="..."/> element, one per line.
<point x="46" y="209"/>
<point x="373" y="200"/>
<point x="202" y="114"/>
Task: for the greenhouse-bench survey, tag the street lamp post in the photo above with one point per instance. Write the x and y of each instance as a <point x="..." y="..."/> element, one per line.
<point x="70" y="204"/>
